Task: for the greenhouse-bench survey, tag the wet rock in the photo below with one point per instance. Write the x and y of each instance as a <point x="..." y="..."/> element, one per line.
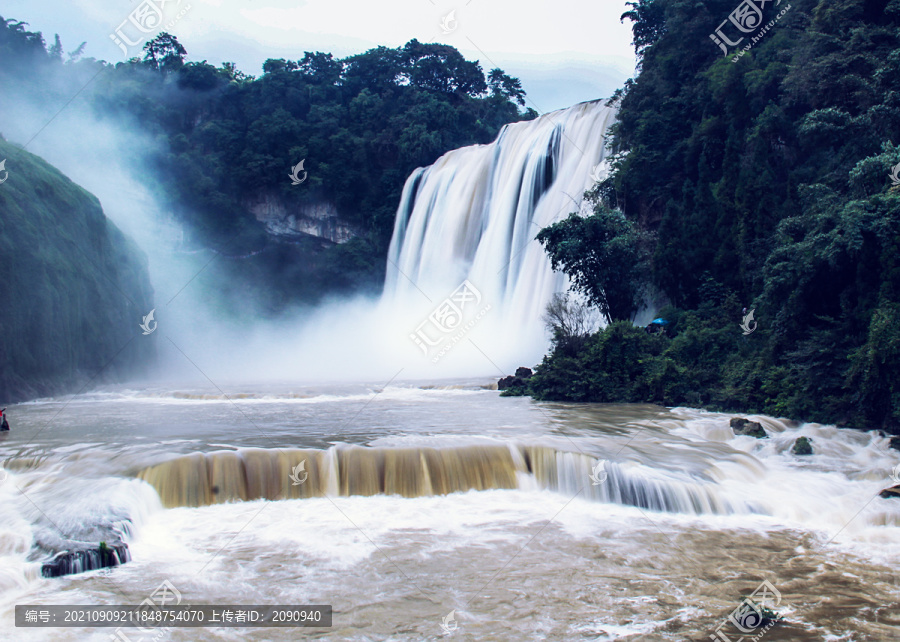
<point x="742" y="426"/>
<point x="506" y="382"/>
<point x="87" y="559"/>
<point x="802" y="446"/>
<point x="893" y="491"/>
<point x="895" y="443"/>
<point x="515" y="385"/>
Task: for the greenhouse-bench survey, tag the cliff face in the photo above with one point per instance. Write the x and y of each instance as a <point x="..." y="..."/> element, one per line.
<point x="320" y="219"/>
<point x="73" y="287"/>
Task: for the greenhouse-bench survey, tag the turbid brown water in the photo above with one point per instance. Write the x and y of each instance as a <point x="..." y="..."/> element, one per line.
<point x="421" y="500"/>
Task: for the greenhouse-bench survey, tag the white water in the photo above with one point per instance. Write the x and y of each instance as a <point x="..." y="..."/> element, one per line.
<point x="475" y="213"/>
<point x="716" y="514"/>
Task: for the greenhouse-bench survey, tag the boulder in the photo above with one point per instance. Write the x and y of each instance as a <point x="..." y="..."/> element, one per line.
<point x="895" y="443"/>
<point x="87" y="559"/>
<point x="742" y="426"/>
<point x="517" y="384"/>
<point x="506" y="382"/>
<point x="802" y="446"/>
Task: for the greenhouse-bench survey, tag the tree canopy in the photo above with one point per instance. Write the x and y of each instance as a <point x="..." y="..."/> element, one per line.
<point x="765" y="180"/>
<point x="227" y="141"/>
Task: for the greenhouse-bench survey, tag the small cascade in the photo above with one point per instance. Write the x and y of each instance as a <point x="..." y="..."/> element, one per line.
<point x="54" y="524"/>
<point x="568" y="473"/>
<point x="87" y="559"/>
<point x="203" y="479"/>
<point x="211" y="478"/>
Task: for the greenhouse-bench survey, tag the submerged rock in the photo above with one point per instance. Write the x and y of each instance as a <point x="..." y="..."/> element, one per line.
<point x="802" y="446"/>
<point x="742" y="426"/>
<point x="87" y="559"/>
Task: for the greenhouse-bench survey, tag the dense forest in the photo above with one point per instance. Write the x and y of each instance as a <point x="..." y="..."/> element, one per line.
<point x="226" y="141"/>
<point x="765" y="179"/>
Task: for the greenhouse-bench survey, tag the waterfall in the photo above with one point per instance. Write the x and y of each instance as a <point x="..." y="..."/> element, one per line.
<point x="473" y="215"/>
<point x="202" y="479"/>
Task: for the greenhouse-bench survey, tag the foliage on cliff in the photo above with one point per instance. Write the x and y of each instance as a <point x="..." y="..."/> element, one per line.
<point x="73" y="288"/>
<point x="765" y="178"/>
<point x="228" y="141"/>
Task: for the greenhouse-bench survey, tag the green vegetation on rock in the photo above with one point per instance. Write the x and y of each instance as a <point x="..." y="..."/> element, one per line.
<point x="73" y="288"/>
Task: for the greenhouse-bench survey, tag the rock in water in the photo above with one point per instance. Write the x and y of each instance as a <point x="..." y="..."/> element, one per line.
<point x="506" y="382"/>
<point x="742" y="426"/>
<point x="893" y="491"/>
<point x="515" y="386"/>
<point x="802" y="447"/>
<point x="87" y="559"/>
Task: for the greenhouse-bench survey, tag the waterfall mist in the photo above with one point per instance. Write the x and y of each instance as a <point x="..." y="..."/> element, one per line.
<point x="471" y="216"/>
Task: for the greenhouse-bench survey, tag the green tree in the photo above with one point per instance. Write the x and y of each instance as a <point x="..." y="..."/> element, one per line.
<point x="605" y="255"/>
<point x="165" y="53"/>
<point x="506" y="86"/>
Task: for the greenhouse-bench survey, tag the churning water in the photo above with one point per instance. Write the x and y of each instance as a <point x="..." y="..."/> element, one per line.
<point x="418" y="500"/>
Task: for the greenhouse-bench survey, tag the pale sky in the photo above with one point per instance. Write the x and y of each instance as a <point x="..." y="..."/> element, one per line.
<point x="564" y="51"/>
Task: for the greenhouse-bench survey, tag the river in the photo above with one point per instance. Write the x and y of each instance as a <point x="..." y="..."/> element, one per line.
<point x="421" y="500"/>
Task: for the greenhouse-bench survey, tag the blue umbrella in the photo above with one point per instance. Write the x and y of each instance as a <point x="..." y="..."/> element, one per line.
<point x="660" y="321"/>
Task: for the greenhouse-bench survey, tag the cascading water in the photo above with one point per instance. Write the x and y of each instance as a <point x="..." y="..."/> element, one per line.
<point x="474" y="215"/>
<point x="308" y="494"/>
<point x="204" y="479"/>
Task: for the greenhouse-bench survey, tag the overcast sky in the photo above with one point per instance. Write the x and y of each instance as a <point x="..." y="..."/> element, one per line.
<point x="564" y="51"/>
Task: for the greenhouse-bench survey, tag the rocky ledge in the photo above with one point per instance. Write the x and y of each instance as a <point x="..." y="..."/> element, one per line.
<point x="87" y="559"/>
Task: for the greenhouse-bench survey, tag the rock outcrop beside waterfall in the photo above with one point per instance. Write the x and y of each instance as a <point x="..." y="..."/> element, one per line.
<point x="73" y="287"/>
<point x="320" y="220"/>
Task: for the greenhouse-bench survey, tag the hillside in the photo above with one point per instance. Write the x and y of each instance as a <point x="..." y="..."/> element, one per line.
<point x="760" y="180"/>
<point x="73" y="288"/>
